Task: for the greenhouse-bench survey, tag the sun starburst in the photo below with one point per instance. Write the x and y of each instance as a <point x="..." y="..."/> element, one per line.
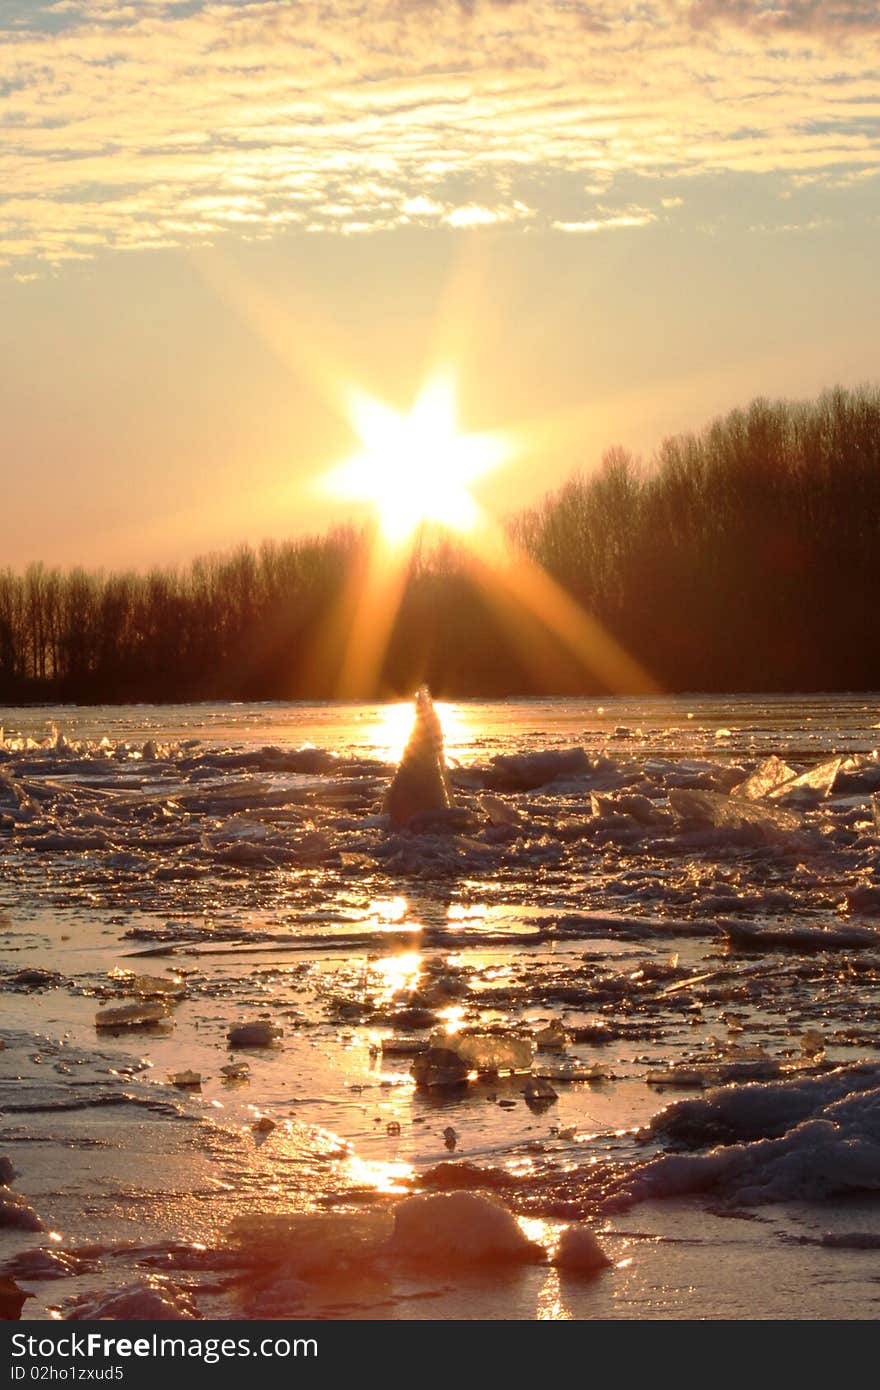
<point x="417" y="468"/>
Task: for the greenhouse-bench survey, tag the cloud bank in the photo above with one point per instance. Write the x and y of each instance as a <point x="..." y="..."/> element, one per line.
<point x="159" y="123"/>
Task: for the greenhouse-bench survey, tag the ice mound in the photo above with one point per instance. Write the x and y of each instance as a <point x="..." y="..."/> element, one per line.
<point x="834" y="1153"/>
<point x="421" y="783"/>
<point x="438" y="1230"/>
<point x="153" y="1300"/>
<point x="519" y="772"/>
<point x="17" y="1214"/>
<point x="579" y="1252"/>
<point x="459" y="1228"/>
<point x="759" y="1110"/>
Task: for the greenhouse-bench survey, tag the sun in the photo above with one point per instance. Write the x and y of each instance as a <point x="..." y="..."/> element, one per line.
<point x="417" y="468"/>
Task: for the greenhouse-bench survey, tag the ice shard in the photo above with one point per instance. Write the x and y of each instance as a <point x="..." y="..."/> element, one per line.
<point x="421" y="783"/>
<point x="732" y="813"/>
<point x="772" y="774"/>
<point x="774" y="780"/>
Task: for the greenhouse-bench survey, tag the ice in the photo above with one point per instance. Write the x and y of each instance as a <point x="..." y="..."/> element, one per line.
<point x="559" y="905"/>
<point x="153" y="1299"/>
<point x="864" y="899"/>
<point x="568" y="1069"/>
<point x="17" y="1214"/>
<point x="730" y="813"/>
<point x="458" y="1229"/>
<point x="258" y="1032"/>
<point x="774" y="780"/>
<point x="500" y="812"/>
<point x="236" y="1071"/>
<point x="186" y="1080"/>
<point x="12" y="1299"/>
<point x="799" y="936"/>
<point x="771" y="774"/>
<point x="150" y="986"/>
<point x="32" y="977"/>
<point x="132" y="1016"/>
<point x="421" y="783"/>
<point x="818" y="781"/>
<point x="45" y="1264"/>
<point x="488" y="1052"/>
<point x="439" y="1066"/>
<point x="759" y="1110"/>
<point x="640" y="809"/>
<point x="834" y="1153"/>
<point x="579" y="1252"/>
<point x="313" y="1243"/>
<point x="527" y="771"/>
<point x="553" y="1038"/>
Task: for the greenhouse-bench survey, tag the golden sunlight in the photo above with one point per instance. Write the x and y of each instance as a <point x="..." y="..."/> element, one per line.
<point x="394" y="725"/>
<point x="417" y="468"/>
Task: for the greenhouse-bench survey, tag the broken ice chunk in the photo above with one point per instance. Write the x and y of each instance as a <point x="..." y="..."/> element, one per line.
<point x="489" y="1052"/>
<point x="258" y="1032"/>
<point x="770" y="774"/>
<point x="568" y="1069"/>
<point x="186" y="1080"/>
<point x="774" y="780"/>
<point x="799" y="936"/>
<point x="553" y="1038"/>
<point x="150" y="986"/>
<point x="131" y="1016"/>
<point x="236" y="1071"/>
<point x="816" y="782"/>
<point x="732" y="813"/>
<point x="499" y="812"/>
<point x="439" y="1067"/>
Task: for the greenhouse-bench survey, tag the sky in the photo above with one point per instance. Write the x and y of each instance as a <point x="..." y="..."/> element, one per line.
<point x="609" y="221"/>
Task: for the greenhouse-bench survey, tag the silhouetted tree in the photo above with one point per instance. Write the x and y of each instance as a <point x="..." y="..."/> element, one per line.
<point x="740" y="557"/>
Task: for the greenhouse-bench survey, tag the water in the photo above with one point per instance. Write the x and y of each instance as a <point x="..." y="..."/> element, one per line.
<point x="243" y="841"/>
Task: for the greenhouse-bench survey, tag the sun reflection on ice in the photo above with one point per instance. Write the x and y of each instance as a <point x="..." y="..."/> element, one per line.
<point x="395" y="975"/>
<point x="388" y="910"/>
<point x="384" y="1176"/>
<point x="394" y="724"/>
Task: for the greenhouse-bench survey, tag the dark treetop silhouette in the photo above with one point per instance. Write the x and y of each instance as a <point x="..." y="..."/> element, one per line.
<point x="744" y="557"/>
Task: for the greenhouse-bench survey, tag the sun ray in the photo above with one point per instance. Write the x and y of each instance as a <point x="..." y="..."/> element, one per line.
<point x="418" y="471"/>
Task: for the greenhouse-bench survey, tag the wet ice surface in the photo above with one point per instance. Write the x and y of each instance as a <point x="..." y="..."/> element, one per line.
<point x="694" y="916"/>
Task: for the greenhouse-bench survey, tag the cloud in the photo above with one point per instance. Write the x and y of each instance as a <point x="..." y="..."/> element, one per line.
<point x="158" y="123"/>
<point x="603" y="224"/>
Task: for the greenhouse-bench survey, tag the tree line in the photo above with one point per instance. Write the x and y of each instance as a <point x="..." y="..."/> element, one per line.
<point x="741" y="557"/>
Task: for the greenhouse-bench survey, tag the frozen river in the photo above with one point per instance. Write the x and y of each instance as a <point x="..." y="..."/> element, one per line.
<point x="692" y="914"/>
